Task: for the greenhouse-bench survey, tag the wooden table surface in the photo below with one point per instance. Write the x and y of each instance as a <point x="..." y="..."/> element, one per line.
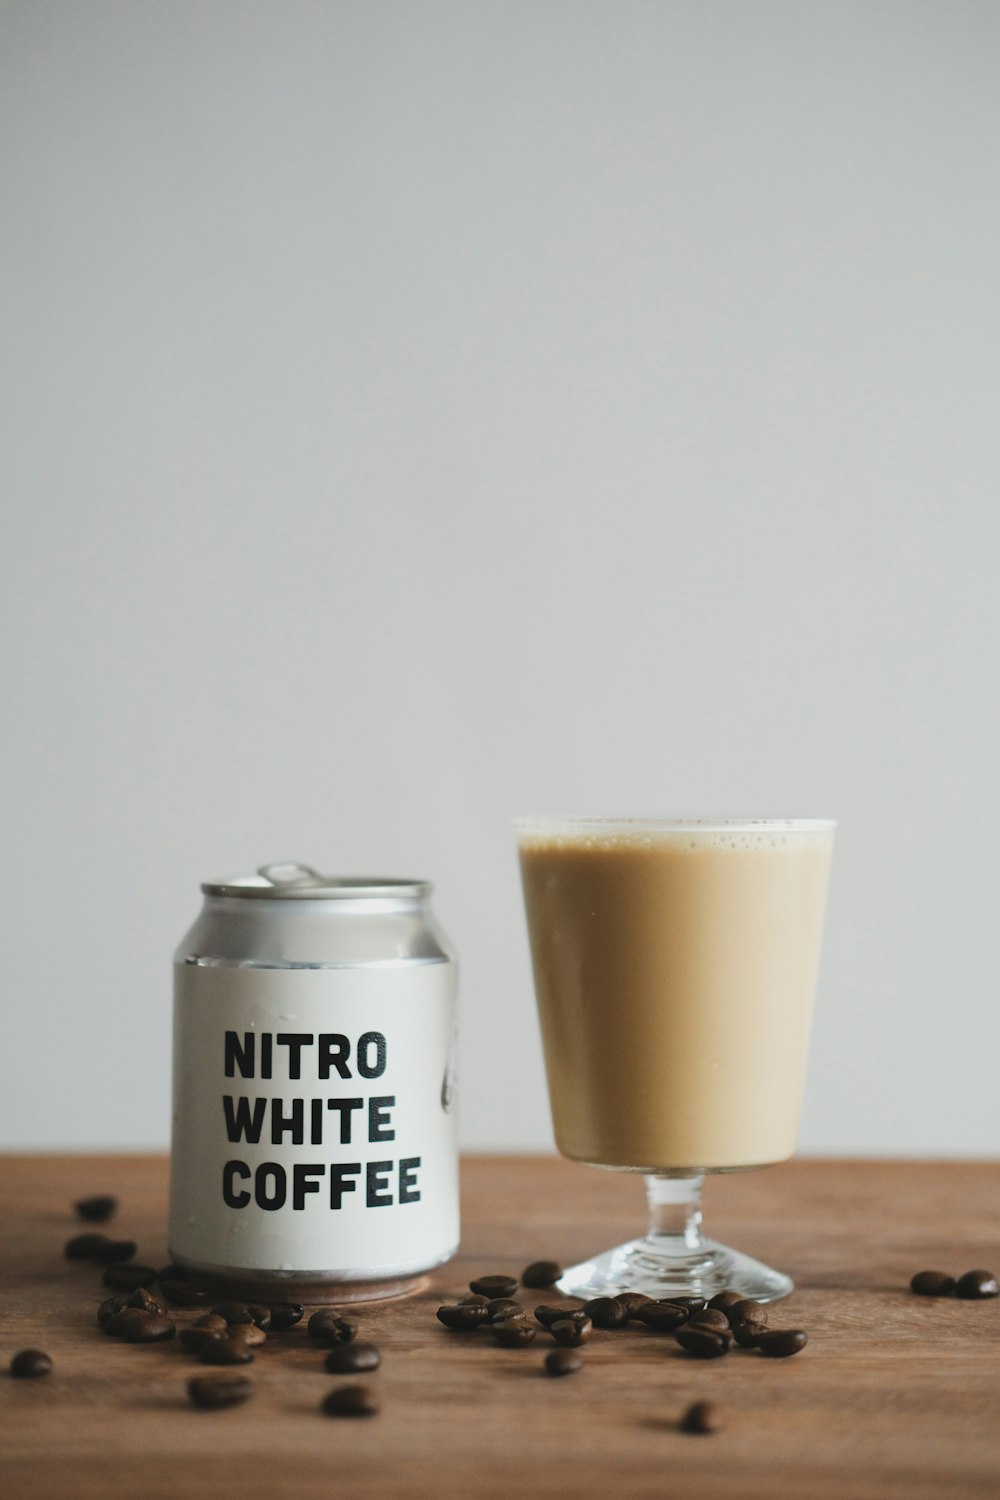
<point x="895" y="1394"/>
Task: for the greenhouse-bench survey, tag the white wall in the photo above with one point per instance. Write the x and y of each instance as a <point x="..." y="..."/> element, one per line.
<point x="417" y="414"/>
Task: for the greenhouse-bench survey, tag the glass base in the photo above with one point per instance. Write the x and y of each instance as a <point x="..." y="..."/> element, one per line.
<point x="640" y="1266"/>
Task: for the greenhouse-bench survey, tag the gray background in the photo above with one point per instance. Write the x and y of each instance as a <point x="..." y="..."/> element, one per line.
<point x="416" y="414"/>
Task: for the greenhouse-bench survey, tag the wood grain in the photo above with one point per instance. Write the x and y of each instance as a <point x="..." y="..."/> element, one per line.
<point x="895" y="1395"/>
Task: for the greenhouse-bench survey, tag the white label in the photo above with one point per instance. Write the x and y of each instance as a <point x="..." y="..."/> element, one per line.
<point x="314" y="1123"/>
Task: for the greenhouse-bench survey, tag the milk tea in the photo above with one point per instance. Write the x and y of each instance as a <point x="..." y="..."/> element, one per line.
<point x="674" y="971"/>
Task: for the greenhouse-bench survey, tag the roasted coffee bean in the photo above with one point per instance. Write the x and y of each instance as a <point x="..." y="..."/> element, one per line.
<point x="932" y="1284"/>
<point x="285" y="1315"/>
<point x="571" y="1332"/>
<point x="141" y="1327"/>
<point x="746" y="1311"/>
<point x="663" y="1317"/>
<point x="549" y="1315"/>
<point x="779" y="1343"/>
<point x="747" y="1334"/>
<point x="86" y="1246"/>
<point x="475" y="1300"/>
<point x="184" y="1294"/>
<point x="261" y="1315"/>
<point x="351" y="1401"/>
<point x="605" y="1312"/>
<point x="128" y="1276"/>
<point x="96" y="1210"/>
<point x="562" y="1362"/>
<point x="148" y="1301"/>
<point x="515" y="1333"/>
<point x="494" y="1286"/>
<point x="693" y="1304"/>
<point x="503" y="1307"/>
<point x="213" y="1392"/>
<point x="711" y="1317"/>
<point x="976" y="1284"/>
<point x="353" y="1359"/>
<point x="110" y="1306"/>
<point x="337" y="1331"/>
<point x="233" y="1312"/>
<point x="30" y="1364"/>
<point x="212" y="1321"/>
<point x="249" y="1333"/>
<point x="541" y="1273"/>
<point x="196" y="1338"/>
<point x="463" y="1319"/>
<point x="700" y="1417"/>
<point x="324" y="1315"/>
<point x="725" y="1300"/>
<point x="224" y="1351"/>
<point x="703" y="1343"/>
<point x="633" y="1303"/>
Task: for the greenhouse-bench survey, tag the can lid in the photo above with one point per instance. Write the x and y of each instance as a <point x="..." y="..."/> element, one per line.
<point x="290" y="880"/>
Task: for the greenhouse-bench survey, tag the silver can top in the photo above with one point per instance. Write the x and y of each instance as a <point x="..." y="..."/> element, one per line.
<point x="289" y="880"/>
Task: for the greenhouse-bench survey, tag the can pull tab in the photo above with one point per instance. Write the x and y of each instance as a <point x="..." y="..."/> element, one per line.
<point x="291" y="872"/>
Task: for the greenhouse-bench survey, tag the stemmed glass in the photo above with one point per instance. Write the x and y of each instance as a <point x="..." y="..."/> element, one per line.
<point x="675" y="962"/>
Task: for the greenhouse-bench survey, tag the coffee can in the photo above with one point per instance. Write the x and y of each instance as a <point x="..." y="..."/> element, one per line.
<point x="314" y="1151"/>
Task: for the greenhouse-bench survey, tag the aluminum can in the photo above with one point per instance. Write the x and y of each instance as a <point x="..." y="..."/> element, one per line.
<point x="314" y="1152"/>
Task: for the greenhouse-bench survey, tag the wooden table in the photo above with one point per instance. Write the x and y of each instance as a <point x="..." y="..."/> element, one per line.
<point x="895" y="1395"/>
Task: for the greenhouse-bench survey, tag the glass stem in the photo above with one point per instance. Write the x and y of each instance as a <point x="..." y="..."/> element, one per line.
<point x="675" y="1214"/>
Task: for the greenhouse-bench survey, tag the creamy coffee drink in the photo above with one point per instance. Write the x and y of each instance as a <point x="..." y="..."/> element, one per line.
<point x="675" y="967"/>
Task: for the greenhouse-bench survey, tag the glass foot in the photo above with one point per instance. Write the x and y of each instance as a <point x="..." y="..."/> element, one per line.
<point x="636" y="1267"/>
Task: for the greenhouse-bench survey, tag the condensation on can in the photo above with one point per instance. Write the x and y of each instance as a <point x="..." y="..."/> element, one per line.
<point x="314" y="1152"/>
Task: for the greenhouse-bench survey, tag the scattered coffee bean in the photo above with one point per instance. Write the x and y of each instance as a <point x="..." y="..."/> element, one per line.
<point x="571" y="1332"/>
<point x="353" y="1359"/>
<point x="494" y="1286"/>
<point x="351" y="1401"/>
<point x="515" y="1333"/>
<point x="96" y="1210"/>
<point x="233" y="1312"/>
<point x="976" y="1284"/>
<point x="224" y="1351"/>
<point x="110" y="1306"/>
<point x="693" y="1304"/>
<point x="549" y="1315"/>
<point x="475" y="1300"/>
<point x="712" y="1317"/>
<point x="184" y="1293"/>
<point x="212" y="1321"/>
<point x="700" y="1417"/>
<point x="562" y="1362"/>
<point x="324" y="1315"/>
<point x="86" y="1246"/>
<point x="633" y="1303"/>
<point x="463" y="1319"/>
<point x="703" y="1343"/>
<point x="30" y="1364"/>
<point x="747" y="1334"/>
<point x="779" y="1343"/>
<point x="932" y="1284"/>
<point x="746" y="1311"/>
<point x="196" y="1338"/>
<point x="213" y="1392"/>
<point x="725" y="1300"/>
<point x="128" y="1276"/>
<point x="285" y="1315"/>
<point x="663" y="1317"/>
<point x="248" y="1333"/>
<point x="337" y="1331"/>
<point x="499" y="1308"/>
<point x="137" y="1326"/>
<point x="606" y="1312"/>
<point x="541" y="1273"/>
<point x="261" y="1315"/>
<point x="148" y="1301"/>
